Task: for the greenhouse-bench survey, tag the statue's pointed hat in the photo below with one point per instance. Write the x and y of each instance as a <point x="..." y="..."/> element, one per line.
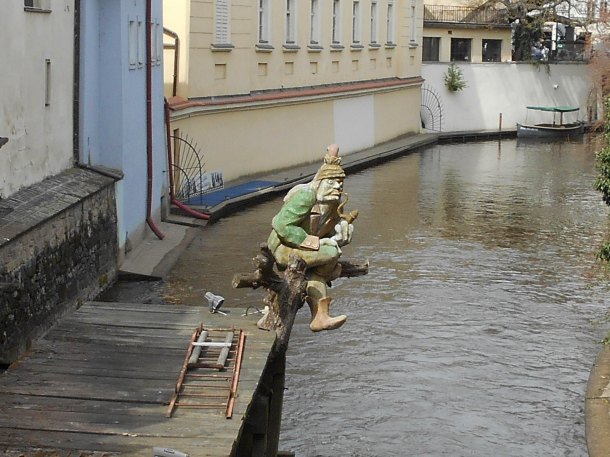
<point x="331" y="168"/>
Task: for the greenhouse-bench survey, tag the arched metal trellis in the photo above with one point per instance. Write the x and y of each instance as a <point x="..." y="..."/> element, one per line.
<point x="431" y="109"/>
<point x="187" y="168"/>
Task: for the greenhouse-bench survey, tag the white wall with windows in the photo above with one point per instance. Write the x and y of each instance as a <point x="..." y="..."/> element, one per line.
<point x="476" y="44"/>
<point x="506" y="89"/>
<point x="36" y="115"/>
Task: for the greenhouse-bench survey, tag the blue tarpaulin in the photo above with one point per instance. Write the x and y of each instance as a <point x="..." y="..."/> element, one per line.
<point x="218" y="196"/>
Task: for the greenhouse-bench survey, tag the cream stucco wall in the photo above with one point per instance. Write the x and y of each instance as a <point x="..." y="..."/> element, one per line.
<point x="245" y="141"/>
<point x="176" y="18"/>
<point x="246" y="67"/>
<point x="315" y="98"/>
<point x="36" y="100"/>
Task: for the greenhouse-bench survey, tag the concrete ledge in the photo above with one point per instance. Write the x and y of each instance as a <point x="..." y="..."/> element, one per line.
<point x="597" y="406"/>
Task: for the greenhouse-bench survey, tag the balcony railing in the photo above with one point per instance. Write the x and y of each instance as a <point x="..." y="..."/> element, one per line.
<point x="464" y="15"/>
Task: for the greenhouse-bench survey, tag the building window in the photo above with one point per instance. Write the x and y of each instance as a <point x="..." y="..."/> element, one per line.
<point x="356" y="22"/>
<point x="133" y="43"/>
<point x="336" y="32"/>
<point x="141" y="43"/>
<point x="314" y="23"/>
<point x="460" y="49"/>
<point x="158" y="43"/>
<point x="430" y="49"/>
<point x="38" y="6"/>
<point x="290" y="22"/>
<point x="413" y="40"/>
<point x="373" y="21"/>
<point x="492" y="50"/>
<point x="263" y="21"/>
<point x="47" y="82"/>
<point x="390" y="23"/>
<point x="222" y="22"/>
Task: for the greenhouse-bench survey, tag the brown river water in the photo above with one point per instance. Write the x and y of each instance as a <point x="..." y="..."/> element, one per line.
<point x="476" y="328"/>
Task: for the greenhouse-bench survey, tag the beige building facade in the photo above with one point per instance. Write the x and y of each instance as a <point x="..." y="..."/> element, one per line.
<point x="264" y="85"/>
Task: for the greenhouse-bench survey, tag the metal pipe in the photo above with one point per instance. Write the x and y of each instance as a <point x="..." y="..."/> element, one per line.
<point x="149" y="127"/>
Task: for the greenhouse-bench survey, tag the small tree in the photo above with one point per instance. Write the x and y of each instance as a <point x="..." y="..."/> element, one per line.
<point x="602" y="183"/>
<point x="454" y="79"/>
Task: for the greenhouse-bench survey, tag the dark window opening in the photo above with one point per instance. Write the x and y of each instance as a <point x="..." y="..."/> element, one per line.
<point x="492" y="50"/>
<point x="460" y="49"/>
<point x="431" y="49"/>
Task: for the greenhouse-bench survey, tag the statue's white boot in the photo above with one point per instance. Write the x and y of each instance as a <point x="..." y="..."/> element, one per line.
<point x="320" y="319"/>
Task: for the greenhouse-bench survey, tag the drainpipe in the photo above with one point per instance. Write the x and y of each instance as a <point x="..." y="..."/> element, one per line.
<point x="76" y="83"/>
<point x="149" y="144"/>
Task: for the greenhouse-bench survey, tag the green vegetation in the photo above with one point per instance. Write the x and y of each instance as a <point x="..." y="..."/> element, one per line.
<point x="454" y="79"/>
<point x="602" y="183"/>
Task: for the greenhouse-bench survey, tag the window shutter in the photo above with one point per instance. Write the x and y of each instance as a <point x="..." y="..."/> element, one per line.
<point x="222" y="22"/>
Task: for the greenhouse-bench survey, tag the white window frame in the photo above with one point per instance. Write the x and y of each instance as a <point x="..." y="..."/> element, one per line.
<point x="222" y="22"/>
<point x="37" y="5"/>
<point x="336" y="23"/>
<point x="264" y="23"/>
<point x="413" y="39"/>
<point x="390" y="23"/>
<point x="290" y="16"/>
<point x="133" y="46"/>
<point x="158" y="43"/>
<point x="141" y="42"/>
<point x="356" y="29"/>
<point x="314" y="23"/>
<point x="374" y="22"/>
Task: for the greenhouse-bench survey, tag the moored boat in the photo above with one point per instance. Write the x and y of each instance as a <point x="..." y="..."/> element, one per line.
<point x="554" y="129"/>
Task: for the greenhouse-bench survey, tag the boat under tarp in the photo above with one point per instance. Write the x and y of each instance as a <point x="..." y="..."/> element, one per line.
<point x="554" y="129"/>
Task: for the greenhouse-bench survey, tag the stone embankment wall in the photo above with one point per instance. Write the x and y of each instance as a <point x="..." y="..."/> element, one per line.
<point x="58" y="246"/>
<point x="506" y="89"/>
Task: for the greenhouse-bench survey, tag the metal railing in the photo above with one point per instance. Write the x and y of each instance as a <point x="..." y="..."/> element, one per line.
<point x="464" y="14"/>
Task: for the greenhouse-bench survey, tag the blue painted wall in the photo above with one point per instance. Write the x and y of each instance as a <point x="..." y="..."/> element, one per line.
<point x="113" y="104"/>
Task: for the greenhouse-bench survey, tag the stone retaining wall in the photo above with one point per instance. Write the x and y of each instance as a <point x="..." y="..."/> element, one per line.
<point x="58" y="247"/>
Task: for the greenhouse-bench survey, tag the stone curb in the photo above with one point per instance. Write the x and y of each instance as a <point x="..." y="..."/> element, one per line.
<point x="597" y="406"/>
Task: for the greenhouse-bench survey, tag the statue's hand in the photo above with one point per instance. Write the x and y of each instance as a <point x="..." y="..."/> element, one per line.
<point x="330" y="242"/>
<point x="343" y="233"/>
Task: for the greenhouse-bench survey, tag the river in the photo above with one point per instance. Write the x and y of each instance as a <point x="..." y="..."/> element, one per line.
<point x="475" y="330"/>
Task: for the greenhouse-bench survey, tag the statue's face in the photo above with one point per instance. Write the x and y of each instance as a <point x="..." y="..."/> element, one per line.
<point x="329" y="190"/>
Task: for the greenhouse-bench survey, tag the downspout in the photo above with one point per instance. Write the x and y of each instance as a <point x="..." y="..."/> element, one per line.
<point x="76" y="86"/>
<point x="170" y="167"/>
<point x="149" y="130"/>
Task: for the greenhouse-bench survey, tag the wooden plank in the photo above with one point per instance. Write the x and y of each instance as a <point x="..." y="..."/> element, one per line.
<point x="103" y="423"/>
<point x="209" y="445"/>
<point x="137" y="392"/>
<point x="86" y="368"/>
